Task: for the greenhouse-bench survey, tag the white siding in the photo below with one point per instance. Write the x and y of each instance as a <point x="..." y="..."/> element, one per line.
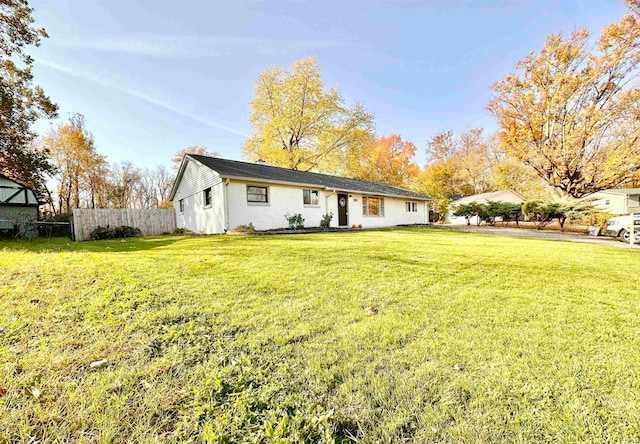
<point x="5" y="192"/>
<point x="395" y="212"/>
<point x="196" y="217"/>
<point x="288" y="199"/>
<point x="612" y="203"/>
<point x="282" y="199"/>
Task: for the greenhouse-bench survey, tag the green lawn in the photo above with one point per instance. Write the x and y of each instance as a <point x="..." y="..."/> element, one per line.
<point x="270" y="339"/>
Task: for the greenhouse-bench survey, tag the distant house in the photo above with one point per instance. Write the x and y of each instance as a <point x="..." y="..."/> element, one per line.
<point x="18" y="208"/>
<point x="617" y="200"/>
<point x="213" y="195"/>
<point x="494" y="196"/>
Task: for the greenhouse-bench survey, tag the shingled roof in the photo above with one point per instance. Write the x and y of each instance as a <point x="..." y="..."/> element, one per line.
<point x="256" y="171"/>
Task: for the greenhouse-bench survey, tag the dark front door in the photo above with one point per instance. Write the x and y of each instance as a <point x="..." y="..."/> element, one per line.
<point x="343" y="209"/>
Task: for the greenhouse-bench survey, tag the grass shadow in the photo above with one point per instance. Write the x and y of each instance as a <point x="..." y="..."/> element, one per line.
<point x="64" y="244"/>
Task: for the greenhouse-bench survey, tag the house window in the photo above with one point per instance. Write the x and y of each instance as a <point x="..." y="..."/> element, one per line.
<point x="181" y="205"/>
<point x="372" y="206"/>
<point x="311" y="197"/>
<point x="207" y="198"/>
<point x="411" y="207"/>
<point x="257" y="194"/>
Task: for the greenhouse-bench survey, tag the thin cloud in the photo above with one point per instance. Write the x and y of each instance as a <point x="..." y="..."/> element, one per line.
<point x="140" y="95"/>
<point x="212" y="46"/>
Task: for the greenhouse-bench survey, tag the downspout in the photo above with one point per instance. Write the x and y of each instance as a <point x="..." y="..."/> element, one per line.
<point x="226" y="206"/>
<point x="326" y="202"/>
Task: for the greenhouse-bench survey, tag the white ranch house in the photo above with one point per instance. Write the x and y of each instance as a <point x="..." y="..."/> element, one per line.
<point x="213" y="196"/>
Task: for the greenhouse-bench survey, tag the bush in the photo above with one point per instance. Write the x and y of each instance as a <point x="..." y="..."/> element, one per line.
<point x="296" y="221"/>
<point x="325" y="222"/>
<point x="245" y="228"/>
<point x="101" y="233"/>
<point x="543" y="212"/>
<point x="598" y="219"/>
<point x="182" y="232"/>
<point x="467" y="211"/>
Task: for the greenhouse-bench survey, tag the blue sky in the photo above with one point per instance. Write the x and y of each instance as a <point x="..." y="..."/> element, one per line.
<point x="153" y="77"/>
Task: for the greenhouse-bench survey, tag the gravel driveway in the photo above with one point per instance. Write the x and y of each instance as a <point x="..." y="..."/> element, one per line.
<point x="537" y="234"/>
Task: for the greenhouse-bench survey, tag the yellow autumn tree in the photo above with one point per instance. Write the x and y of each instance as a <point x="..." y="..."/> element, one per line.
<point x="299" y="124"/>
<point x="80" y="169"/>
<point x="572" y="113"/>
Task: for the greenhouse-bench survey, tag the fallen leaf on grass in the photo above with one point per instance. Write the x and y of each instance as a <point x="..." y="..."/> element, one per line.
<point x="163" y="370"/>
<point x="98" y="364"/>
<point x="372" y="310"/>
<point x="35" y="392"/>
<point x="3" y="391"/>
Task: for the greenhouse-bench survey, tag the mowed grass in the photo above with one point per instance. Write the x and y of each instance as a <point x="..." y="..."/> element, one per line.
<point x="270" y="339"/>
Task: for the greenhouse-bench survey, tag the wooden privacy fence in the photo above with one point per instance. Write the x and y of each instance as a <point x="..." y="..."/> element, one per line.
<point x="149" y="221"/>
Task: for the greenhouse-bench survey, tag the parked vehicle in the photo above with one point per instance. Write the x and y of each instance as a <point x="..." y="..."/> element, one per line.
<point x="620" y="228"/>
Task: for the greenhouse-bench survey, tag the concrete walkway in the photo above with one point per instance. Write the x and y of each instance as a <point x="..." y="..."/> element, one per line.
<point x="538" y="234"/>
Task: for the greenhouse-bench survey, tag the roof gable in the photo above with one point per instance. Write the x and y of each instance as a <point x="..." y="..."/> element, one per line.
<point x="254" y="171"/>
<point x="13" y="193"/>
<point x="494" y="196"/>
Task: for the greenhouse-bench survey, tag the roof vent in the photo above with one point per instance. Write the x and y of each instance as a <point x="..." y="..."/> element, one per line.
<point x="261" y="162"/>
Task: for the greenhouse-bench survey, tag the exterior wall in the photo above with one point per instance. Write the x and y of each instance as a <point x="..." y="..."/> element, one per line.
<point x="634" y="204"/>
<point x="283" y="199"/>
<point x="394" y="212"/>
<point x="23" y="218"/>
<point x="196" y="178"/>
<point x="611" y="203"/>
<point x="289" y="199"/>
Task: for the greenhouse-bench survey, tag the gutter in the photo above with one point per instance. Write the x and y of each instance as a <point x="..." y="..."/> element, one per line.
<point x="226" y="206"/>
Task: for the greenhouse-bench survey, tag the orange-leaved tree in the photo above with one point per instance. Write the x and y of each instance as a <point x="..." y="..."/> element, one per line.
<point x="388" y="159"/>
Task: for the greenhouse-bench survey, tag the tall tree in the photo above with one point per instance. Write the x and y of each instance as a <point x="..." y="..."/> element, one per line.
<point x="299" y="124"/>
<point x="77" y="163"/>
<point x="21" y="103"/>
<point x="460" y="165"/>
<point x="573" y="112"/>
<point x="388" y="160"/>
<point x="195" y="149"/>
<point x="124" y="185"/>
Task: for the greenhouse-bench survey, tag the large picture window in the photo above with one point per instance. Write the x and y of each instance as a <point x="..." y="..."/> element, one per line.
<point x="257" y="194"/>
<point x="372" y="206"/>
<point x="311" y="197"/>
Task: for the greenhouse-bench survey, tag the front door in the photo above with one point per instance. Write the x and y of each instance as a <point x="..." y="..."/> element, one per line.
<point x="343" y="209"/>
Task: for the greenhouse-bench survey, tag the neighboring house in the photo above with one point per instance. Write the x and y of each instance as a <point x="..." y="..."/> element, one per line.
<point x="494" y="196"/>
<point x="617" y="200"/>
<point x="18" y="208"/>
<point x="213" y="195"/>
